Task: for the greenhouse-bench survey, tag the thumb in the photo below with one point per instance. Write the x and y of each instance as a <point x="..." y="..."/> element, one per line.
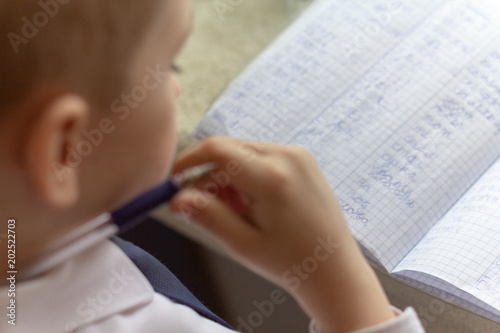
<point x="215" y="216"/>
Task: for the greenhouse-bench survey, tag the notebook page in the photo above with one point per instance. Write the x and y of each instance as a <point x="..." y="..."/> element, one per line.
<point x="392" y="118"/>
<point x="463" y="248"/>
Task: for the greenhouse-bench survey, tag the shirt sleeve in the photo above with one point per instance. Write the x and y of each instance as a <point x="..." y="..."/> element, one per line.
<point x="406" y="321"/>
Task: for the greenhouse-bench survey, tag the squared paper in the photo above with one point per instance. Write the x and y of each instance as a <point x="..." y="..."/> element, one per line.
<point x="399" y="101"/>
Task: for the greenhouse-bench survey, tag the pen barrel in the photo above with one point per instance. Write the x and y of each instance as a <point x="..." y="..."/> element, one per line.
<point x="133" y="213"/>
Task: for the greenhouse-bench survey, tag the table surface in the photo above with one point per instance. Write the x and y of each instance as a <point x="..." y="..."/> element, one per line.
<point x="220" y="47"/>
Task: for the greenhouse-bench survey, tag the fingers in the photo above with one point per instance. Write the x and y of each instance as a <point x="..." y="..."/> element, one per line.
<point x="247" y="149"/>
<point x="227" y="194"/>
<point x="239" y="162"/>
<point x="214" y="216"/>
<point x="221" y="148"/>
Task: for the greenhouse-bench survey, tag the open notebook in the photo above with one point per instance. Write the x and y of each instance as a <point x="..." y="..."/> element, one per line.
<point x="399" y="101"/>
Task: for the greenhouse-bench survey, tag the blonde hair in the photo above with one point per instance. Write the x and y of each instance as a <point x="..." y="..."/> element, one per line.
<point x="85" y="46"/>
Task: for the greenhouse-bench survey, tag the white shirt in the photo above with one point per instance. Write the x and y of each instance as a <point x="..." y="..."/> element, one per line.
<point x="101" y="291"/>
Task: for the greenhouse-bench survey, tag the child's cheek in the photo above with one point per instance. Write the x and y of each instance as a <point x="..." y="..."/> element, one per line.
<point x="168" y="143"/>
<point x="161" y="131"/>
<point x="175" y="87"/>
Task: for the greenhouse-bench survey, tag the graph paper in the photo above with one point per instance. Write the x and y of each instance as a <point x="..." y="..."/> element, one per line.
<point x="399" y="101"/>
<point x="463" y="249"/>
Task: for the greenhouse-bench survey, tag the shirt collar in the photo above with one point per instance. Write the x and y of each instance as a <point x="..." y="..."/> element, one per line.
<point x="93" y="285"/>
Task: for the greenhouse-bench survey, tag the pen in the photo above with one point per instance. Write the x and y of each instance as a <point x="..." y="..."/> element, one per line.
<point x="109" y="224"/>
<point x="131" y="214"/>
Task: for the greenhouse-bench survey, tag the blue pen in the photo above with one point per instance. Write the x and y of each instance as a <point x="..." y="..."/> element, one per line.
<point x="109" y="224"/>
<point x="132" y="213"/>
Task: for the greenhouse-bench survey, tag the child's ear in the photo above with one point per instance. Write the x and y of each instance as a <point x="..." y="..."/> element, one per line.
<point x="54" y="134"/>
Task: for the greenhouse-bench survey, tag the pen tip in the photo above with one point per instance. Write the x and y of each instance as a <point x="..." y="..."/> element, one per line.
<point x="193" y="174"/>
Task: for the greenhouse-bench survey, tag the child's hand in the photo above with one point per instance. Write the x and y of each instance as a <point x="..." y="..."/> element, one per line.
<point x="290" y="208"/>
<point x="275" y="210"/>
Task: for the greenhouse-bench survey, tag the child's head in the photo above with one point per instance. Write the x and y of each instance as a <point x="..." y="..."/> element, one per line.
<point x="86" y="107"/>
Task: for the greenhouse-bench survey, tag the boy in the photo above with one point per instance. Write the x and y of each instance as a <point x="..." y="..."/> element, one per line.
<point x="87" y="123"/>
